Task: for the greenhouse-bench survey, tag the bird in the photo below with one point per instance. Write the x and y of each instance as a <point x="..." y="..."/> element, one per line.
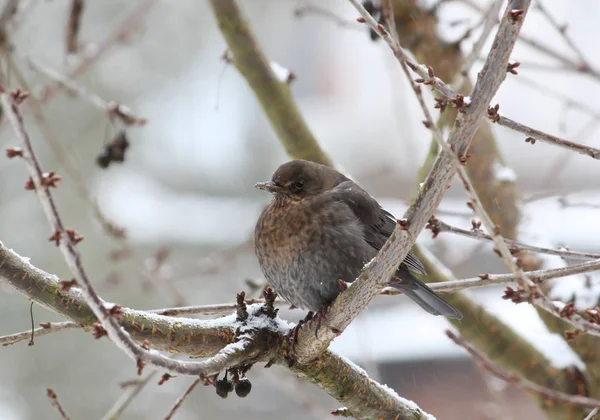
<point x="320" y="228"/>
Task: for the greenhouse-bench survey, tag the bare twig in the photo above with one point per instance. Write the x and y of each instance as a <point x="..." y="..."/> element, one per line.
<point x="562" y="30"/>
<point x="590" y="151"/>
<point x="307" y="8"/>
<point x="73" y="24"/>
<point x="182" y="399"/>
<point x="10" y="8"/>
<point x="54" y="401"/>
<point x="527" y="385"/>
<point x="216" y="309"/>
<point x="490" y="20"/>
<point x="113" y="109"/>
<point x="122" y="32"/>
<point x="502" y="279"/>
<point x="567" y="62"/>
<point x="46" y="328"/>
<point x="437" y="226"/>
<point x="133" y="391"/>
<point x="592" y="414"/>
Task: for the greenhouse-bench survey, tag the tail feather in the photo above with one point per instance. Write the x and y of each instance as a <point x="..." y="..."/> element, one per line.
<point x="424" y="296"/>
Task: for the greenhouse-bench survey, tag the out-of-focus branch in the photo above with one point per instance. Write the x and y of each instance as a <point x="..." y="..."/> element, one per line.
<point x="182" y="399"/>
<point x="502" y="344"/>
<point x="113" y="109"/>
<point x="542" y="391"/>
<point x="56" y="404"/>
<point x="274" y="96"/>
<point x="127" y="396"/>
<point x="73" y="24"/>
<point x="579" y="66"/>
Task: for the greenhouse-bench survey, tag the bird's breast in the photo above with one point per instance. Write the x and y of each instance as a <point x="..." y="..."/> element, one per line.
<point x="283" y="227"/>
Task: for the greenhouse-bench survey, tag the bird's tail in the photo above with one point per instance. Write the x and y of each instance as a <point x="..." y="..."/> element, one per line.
<point x="423" y="295"/>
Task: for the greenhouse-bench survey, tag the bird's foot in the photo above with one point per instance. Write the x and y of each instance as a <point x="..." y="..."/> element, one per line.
<point x="292" y="338"/>
<point x="319" y="316"/>
<point x="293" y="334"/>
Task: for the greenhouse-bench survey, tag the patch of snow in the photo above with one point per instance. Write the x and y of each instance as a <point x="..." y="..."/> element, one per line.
<point x="504" y="173"/>
<point x="410" y="404"/>
<point x="282" y="74"/>
<point x="353" y="365"/>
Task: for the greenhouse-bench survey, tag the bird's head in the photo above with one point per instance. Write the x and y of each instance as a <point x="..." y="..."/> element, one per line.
<point x="298" y="179"/>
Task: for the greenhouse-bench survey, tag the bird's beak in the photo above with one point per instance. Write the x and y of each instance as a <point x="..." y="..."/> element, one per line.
<point x="269" y="186"/>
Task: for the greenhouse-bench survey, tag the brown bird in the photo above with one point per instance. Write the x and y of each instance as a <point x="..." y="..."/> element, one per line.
<point x="320" y="228"/>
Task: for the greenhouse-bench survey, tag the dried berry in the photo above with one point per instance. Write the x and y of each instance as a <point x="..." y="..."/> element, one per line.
<point x="223" y="386"/>
<point x="243" y="387"/>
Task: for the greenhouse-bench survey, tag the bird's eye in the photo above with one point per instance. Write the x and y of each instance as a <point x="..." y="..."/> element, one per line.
<point x="297" y="186"/>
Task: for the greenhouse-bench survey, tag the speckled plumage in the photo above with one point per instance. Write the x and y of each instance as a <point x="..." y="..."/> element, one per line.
<point x="322" y="227"/>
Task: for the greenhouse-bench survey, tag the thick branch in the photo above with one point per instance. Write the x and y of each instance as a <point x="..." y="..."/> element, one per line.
<point x="341" y="379"/>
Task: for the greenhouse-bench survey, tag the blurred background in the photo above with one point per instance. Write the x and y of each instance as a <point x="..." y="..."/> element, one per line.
<point x="185" y="195"/>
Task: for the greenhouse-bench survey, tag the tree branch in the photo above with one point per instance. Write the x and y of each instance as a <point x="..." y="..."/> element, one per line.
<point x="543" y="391"/>
<point x="334" y="374"/>
<point x="437" y="226"/>
<point x="582" y="149"/>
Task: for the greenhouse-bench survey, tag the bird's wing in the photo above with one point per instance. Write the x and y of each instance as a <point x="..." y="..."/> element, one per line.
<point x="379" y="224"/>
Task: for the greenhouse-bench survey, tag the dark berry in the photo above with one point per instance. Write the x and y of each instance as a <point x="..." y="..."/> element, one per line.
<point x="243" y="387"/>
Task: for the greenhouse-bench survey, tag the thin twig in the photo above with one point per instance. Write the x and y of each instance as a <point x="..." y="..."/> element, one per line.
<point x="54" y="402"/>
<point x="73" y="25"/>
<point x="45" y="329"/>
<point x="567" y="62"/>
<point x="537" y="276"/>
<point x="182" y="399"/>
<point x="592" y="414"/>
<point x="126" y="397"/>
<point x="527" y="385"/>
<point x="490" y="20"/>
<point x="215" y="309"/>
<point x="562" y="30"/>
<point x="590" y="151"/>
<point x="437" y="226"/>
<point x="307" y="8"/>
<point x="113" y="109"/>
<point x="8" y="13"/>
